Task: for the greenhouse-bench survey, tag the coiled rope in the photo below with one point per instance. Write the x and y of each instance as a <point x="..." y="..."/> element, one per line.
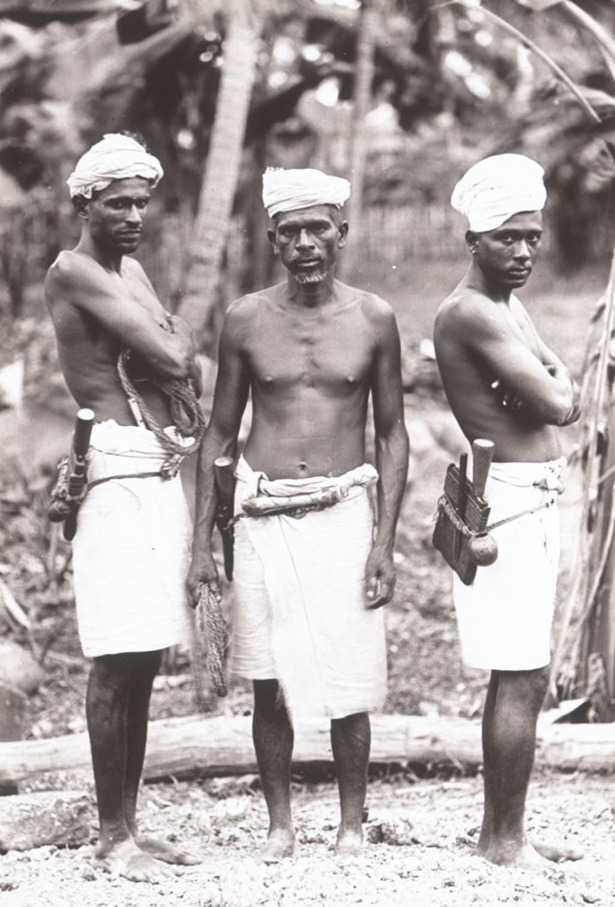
<point x="185" y="411"/>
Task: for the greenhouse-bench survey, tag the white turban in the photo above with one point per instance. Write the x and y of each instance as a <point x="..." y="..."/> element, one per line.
<point x="496" y="188"/>
<point x="288" y="190"/>
<point x="115" y="157"/>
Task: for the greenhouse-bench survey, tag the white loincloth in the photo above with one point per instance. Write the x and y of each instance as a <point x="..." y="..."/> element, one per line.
<point x="300" y="612"/>
<point x="505" y="616"/>
<point x="131" y="551"/>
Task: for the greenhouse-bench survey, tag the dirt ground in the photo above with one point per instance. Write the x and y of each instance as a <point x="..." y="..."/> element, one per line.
<point x="421" y="825"/>
<point x="224" y="824"/>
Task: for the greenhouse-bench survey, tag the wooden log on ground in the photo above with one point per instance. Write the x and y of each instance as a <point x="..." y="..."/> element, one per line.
<point x="184" y="747"/>
<point x="64" y="818"/>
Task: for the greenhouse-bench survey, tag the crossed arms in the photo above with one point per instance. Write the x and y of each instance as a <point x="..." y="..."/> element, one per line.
<point x="125" y="309"/>
<point x="530" y="377"/>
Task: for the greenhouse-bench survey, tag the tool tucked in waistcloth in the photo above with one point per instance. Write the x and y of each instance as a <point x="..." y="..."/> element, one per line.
<point x="224" y="481"/>
<point x="461" y="533"/>
<point x="71" y="485"/>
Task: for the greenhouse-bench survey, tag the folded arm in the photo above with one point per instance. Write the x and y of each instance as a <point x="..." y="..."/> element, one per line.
<point x="528" y="381"/>
<point x="162" y="342"/>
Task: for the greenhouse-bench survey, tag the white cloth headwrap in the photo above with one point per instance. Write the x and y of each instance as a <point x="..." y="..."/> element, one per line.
<point x="496" y="188"/>
<point x="115" y="157"/>
<point x="289" y="190"/>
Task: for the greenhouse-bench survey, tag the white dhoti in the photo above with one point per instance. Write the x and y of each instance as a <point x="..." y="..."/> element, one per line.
<point x="131" y="551"/>
<point x="300" y="612"/>
<point x="505" y="615"/>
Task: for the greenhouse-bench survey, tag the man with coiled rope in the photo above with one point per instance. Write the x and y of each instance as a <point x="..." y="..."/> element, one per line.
<point x="124" y="357"/>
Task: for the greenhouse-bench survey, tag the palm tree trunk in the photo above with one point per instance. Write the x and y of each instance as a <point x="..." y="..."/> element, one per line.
<point x="364" y="75"/>
<point x="219" y="184"/>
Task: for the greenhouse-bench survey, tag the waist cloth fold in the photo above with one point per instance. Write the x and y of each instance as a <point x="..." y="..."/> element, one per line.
<point x="131" y="551"/>
<point x="505" y="616"/>
<point x="299" y="610"/>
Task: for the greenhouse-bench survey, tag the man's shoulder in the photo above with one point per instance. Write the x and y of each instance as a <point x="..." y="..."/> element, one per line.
<point x="62" y="276"/>
<point x="71" y="266"/>
<point x="61" y="266"/>
<point x="250" y="303"/>
<point x="371" y="304"/>
<point x="464" y="304"/>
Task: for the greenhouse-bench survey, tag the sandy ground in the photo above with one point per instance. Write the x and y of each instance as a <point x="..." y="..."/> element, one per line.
<point x="224" y="823"/>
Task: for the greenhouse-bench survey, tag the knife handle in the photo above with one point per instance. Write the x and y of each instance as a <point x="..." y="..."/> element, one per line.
<point x="482" y="455"/>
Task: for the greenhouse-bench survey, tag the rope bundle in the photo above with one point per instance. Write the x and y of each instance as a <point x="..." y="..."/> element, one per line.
<point x="213" y="635"/>
<point x="185" y="411"/>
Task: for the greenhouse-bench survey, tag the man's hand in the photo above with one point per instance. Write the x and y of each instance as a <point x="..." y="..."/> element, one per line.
<point x="507" y="398"/>
<point x="202" y="571"/>
<point x="379" y="579"/>
<point x="179" y="326"/>
<point x="561" y="372"/>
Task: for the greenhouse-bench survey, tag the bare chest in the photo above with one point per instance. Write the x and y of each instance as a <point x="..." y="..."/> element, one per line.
<point x="521" y="325"/>
<point x="136" y="291"/>
<point x="326" y="353"/>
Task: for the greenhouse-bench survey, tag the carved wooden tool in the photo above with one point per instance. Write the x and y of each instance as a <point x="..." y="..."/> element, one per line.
<point x="482" y="455"/>
<point x="225" y="488"/>
<point x="78" y="464"/>
<point x="466" y="499"/>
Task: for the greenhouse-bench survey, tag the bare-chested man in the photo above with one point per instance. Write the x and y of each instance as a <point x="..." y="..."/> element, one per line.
<point x="309" y="585"/>
<point x="132" y="546"/>
<point x="503" y="383"/>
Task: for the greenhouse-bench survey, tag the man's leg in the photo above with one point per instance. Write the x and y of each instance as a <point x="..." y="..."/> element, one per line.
<point x="107" y="710"/>
<point x="273" y="742"/>
<point x="488" y="761"/>
<point x="512" y="706"/>
<point x="350" y="742"/>
<point x="145" y="667"/>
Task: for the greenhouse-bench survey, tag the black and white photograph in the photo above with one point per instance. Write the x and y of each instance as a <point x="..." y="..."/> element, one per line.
<point x="307" y="460"/>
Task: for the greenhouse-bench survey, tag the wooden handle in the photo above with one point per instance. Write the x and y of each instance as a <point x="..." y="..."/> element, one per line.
<point x="462" y="497"/>
<point x="223" y="475"/>
<point x="83" y="430"/>
<point x="225" y="487"/>
<point x="482" y="455"/>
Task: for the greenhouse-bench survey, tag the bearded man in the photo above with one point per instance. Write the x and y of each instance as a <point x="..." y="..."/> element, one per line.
<point x="311" y="575"/>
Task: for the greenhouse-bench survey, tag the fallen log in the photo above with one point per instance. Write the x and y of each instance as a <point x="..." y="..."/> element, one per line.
<point x="63" y="818"/>
<point x="196" y="745"/>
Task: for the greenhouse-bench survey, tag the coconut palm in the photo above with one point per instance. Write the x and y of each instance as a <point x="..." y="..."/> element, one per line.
<point x="221" y="175"/>
<point x="363" y="80"/>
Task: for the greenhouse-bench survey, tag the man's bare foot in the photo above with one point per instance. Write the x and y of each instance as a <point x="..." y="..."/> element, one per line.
<point x="518" y="856"/>
<point x="280" y="844"/>
<point x="557" y="853"/>
<point x="168" y="853"/>
<point x="130" y="862"/>
<point x="349" y="842"/>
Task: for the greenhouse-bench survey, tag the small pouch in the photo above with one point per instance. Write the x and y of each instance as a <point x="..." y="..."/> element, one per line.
<point x="454" y="535"/>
